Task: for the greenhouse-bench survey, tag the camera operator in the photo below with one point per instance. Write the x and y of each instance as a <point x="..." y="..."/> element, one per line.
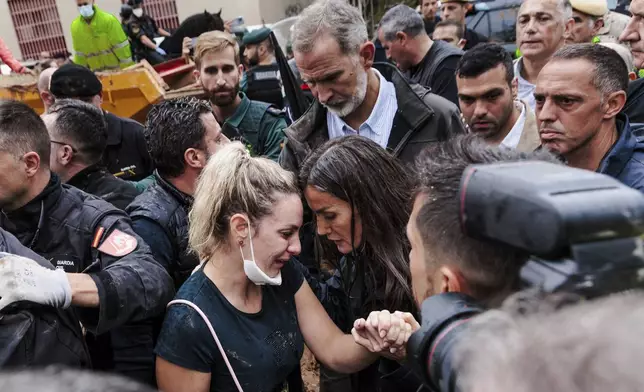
<point x="561" y="351"/>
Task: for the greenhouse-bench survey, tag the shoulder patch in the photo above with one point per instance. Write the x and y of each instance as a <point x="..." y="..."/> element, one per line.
<point x="118" y="244"/>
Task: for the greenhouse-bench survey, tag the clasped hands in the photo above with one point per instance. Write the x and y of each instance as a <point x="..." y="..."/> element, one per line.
<point x="385" y="333"/>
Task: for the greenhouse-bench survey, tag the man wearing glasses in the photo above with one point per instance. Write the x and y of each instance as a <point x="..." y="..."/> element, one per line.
<point x="78" y="135"/>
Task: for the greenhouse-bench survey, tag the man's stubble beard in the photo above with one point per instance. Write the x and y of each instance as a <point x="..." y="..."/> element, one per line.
<point x="356" y="100"/>
<point x="217" y="101"/>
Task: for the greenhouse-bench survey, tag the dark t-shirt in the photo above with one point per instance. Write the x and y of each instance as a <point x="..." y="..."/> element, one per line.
<point x="443" y="80"/>
<point x="263" y="348"/>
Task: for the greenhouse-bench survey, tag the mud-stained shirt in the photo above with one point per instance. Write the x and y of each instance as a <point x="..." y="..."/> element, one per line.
<point x="263" y="348"/>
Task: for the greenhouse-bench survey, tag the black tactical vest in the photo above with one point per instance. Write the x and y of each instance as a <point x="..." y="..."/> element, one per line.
<point x="264" y="84"/>
<point x="168" y="207"/>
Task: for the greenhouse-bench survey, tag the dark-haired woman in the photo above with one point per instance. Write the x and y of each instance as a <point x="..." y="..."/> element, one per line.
<point x="360" y="195"/>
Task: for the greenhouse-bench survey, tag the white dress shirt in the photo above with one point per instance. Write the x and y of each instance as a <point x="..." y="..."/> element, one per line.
<point x="514" y="136"/>
<point x="526" y="89"/>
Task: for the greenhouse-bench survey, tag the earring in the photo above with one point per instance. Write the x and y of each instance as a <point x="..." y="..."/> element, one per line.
<point x="241" y="242"/>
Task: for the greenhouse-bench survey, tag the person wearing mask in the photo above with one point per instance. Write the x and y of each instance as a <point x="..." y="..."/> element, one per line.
<point x="450" y="32"/>
<point x="428" y="10"/>
<point x="262" y="81"/>
<point x="588" y="16"/>
<point x="581" y="121"/>
<point x="259" y="125"/>
<point x="542" y="26"/>
<point x="487" y="91"/>
<point x="244" y="227"/>
<point x="98" y="39"/>
<point x="456" y="10"/>
<point x="429" y="63"/>
<point x="78" y="134"/>
<point x="633" y="35"/>
<point x="352" y="97"/>
<point x="103" y="269"/>
<point x="44" y="80"/>
<point x="142" y="30"/>
<point x="126" y="155"/>
<point x="7" y="57"/>
<point x="125" y="13"/>
<point x="182" y="135"/>
<point x="365" y="222"/>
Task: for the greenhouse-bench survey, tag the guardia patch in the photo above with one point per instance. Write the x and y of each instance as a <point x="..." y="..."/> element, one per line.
<point x="118" y="244"/>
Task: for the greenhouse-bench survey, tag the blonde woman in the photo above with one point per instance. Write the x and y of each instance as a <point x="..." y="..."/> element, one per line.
<point x="244" y="226"/>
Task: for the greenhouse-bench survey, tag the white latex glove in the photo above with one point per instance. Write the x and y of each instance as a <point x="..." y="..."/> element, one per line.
<point x="22" y="279"/>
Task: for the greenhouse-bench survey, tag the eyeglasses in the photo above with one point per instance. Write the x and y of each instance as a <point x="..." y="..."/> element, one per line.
<point x="75" y="151"/>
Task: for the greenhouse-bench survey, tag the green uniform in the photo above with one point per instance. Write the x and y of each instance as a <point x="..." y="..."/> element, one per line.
<point x="100" y="44"/>
<point x="259" y="125"/>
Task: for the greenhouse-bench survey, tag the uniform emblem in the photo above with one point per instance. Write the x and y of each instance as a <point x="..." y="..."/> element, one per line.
<point x="118" y="244"/>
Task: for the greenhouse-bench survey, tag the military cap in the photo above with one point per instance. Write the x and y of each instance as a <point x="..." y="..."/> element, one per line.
<point x="590" y="7"/>
<point x="256" y="36"/>
<point x="72" y="81"/>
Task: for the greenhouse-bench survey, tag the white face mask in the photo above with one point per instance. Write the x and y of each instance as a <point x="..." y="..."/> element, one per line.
<point x="252" y="270"/>
<point x="138" y="12"/>
<point x="86" y="11"/>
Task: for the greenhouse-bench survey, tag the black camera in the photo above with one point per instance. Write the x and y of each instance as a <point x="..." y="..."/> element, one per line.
<point x="582" y="228"/>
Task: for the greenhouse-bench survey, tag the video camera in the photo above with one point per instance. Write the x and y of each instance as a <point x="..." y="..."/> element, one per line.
<point x="582" y="228"/>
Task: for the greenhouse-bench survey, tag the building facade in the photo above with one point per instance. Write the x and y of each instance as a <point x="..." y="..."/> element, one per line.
<point x="30" y="27"/>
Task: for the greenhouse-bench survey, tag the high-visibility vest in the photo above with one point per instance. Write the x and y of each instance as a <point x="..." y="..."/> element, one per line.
<point x="101" y="44"/>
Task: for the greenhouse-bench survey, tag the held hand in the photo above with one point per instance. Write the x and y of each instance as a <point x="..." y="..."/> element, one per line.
<point x="186" y="46"/>
<point x="384" y="333"/>
<point x="22" y="279"/>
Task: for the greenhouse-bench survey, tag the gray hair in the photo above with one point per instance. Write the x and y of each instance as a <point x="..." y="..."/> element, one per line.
<point x="336" y="18"/>
<point x="56" y="379"/>
<point x="611" y="74"/>
<point x="591" y="347"/>
<point x="401" y="18"/>
<point x="566" y="9"/>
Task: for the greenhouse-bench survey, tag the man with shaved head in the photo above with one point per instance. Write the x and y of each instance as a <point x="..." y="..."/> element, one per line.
<point x="542" y="26"/>
<point x="43" y="87"/>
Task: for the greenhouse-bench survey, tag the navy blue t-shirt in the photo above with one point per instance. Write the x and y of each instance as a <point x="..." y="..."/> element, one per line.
<point x="263" y="348"/>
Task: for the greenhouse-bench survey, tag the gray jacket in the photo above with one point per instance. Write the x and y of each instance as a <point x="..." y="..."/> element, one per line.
<point x="422" y="118"/>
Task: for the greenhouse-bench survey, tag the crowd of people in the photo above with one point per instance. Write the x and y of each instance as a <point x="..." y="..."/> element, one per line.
<point x="202" y="250"/>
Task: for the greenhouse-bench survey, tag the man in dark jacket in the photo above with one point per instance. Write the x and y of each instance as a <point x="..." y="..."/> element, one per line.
<point x="126" y="155"/>
<point x="432" y="64"/>
<point x="581" y="121"/>
<point x="335" y="59"/>
<point x="78" y="135"/>
<point x="182" y="135"/>
<point x="402" y="117"/>
<point x="110" y="276"/>
<point x="456" y="10"/>
<point x="36" y="335"/>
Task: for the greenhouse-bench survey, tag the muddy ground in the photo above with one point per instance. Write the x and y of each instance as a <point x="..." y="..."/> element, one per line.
<point x="310" y="372"/>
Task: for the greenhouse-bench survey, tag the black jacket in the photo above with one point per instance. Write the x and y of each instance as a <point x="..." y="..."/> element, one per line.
<point x="33" y="335"/>
<point x="72" y="229"/>
<point x="168" y="207"/>
<point x="97" y="181"/>
<point x="126" y="155"/>
<point x="634" y="107"/>
<point x="422" y="118"/>
<point x="473" y="38"/>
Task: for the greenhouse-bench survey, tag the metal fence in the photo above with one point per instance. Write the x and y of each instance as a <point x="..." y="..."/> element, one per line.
<point x="164" y="12"/>
<point x="38" y="27"/>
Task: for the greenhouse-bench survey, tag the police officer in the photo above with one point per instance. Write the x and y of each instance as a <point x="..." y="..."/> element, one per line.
<point x="182" y="135"/>
<point x="104" y="269"/>
<point x="259" y="125"/>
<point x="142" y="30"/>
<point x="125" y="13"/>
<point x="78" y="133"/>
<point x="53" y="336"/>
<point x="262" y="81"/>
<point x="589" y="19"/>
<point x="126" y="155"/>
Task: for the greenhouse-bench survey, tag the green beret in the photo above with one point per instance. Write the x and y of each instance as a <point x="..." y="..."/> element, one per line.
<point x="256" y="36"/>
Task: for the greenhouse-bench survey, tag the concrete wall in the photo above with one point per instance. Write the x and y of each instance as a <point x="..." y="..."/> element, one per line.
<point x="7" y="31"/>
